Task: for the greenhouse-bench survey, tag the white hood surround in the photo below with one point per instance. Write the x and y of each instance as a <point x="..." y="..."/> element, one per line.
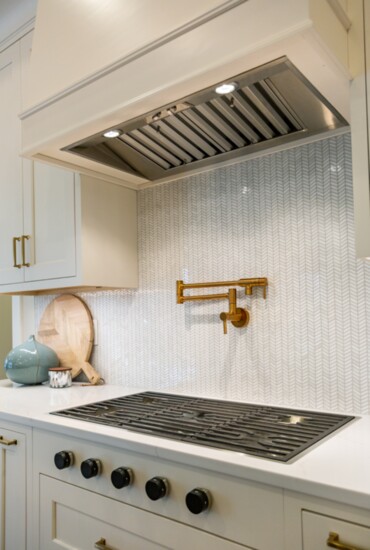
<point x="97" y="64"/>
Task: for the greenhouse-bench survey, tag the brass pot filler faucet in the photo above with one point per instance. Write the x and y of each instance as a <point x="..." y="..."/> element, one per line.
<point x="238" y="316"/>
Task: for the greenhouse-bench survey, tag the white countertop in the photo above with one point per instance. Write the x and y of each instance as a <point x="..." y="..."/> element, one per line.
<point x="337" y="468"/>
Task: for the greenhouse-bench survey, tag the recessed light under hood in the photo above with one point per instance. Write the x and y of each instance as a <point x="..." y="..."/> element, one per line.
<point x="273" y="104"/>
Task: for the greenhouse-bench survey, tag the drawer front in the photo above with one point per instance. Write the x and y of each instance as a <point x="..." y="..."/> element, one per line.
<point x="238" y="511"/>
<point x="77" y="519"/>
<point x="317" y="527"/>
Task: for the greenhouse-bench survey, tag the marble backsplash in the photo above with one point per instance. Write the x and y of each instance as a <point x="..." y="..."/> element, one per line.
<point x="287" y="216"/>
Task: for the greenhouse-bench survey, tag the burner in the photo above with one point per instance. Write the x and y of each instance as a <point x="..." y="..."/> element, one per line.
<point x="269" y="432"/>
<point x="294" y="419"/>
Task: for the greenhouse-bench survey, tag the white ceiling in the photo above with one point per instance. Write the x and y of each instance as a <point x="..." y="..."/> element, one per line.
<point x="14" y="14"/>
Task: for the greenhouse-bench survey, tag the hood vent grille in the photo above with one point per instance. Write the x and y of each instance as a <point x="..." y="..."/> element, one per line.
<point x="273" y="104"/>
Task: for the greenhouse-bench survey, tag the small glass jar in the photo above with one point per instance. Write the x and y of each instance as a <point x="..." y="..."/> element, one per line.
<point x="60" y="377"/>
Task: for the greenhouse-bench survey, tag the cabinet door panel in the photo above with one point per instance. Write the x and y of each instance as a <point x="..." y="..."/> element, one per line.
<point x="13" y="492"/>
<point x="50" y="222"/>
<point x="74" y="518"/>
<point x="10" y="166"/>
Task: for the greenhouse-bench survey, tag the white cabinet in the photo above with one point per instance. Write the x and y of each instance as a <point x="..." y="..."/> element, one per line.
<point x="320" y="530"/>
<point x="80" y="233"/>
<point x="48" y="250"/>
<point x="318" y="524"/>
<point x="71" y="517"/>
<point x="56" y="231"/>
<point x="13" y="504"/>
<point x="237" y="513"/>
<point x="11" y="188"/>
<point x="42" y="243"/>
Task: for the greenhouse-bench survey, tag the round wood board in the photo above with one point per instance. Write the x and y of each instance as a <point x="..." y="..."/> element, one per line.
<point x="66" y="326"/>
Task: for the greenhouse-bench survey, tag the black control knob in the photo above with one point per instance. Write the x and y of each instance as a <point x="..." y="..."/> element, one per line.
<point x="121" y="477"/>
<point x="156" y="488"/>
<point x="198" y="500"/>
<point x="90" y="467"/>
<point x="63" y="459"/>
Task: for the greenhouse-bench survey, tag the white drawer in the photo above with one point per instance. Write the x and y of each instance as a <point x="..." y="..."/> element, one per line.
<point x="317" y="527"/>
<point x="240" y="509"/>
<point x="77" y="519"/>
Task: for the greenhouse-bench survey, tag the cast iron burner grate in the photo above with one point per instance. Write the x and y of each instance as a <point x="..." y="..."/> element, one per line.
<point x="270" y="432"/>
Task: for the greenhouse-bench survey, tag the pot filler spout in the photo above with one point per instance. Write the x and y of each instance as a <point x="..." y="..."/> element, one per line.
<point x="270" y="105"/>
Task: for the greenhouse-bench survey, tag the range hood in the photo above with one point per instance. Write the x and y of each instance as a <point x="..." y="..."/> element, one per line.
<point x="149" y="70"/>
<point x="272" y="104"/>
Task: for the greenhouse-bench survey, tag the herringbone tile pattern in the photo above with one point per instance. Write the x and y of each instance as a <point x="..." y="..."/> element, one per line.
<point x="287" y="216"/>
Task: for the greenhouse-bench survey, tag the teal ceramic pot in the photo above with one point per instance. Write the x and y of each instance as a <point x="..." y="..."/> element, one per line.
<point x="29" y="363"/>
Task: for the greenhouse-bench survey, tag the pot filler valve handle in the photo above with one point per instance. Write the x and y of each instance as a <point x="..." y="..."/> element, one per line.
<point x="238" y="316"/>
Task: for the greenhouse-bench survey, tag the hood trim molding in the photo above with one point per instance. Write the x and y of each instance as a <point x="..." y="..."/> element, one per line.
<point x="171" y="70"/>
<point x="184" y="29"/>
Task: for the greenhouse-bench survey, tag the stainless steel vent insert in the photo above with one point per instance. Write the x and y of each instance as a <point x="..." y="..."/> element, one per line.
<point x="273" y="104"/>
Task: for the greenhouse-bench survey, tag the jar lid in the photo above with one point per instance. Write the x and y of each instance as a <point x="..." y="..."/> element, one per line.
<point x="60" y="369"/>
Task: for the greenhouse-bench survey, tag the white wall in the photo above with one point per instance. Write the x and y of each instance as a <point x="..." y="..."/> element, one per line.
<point x="287" y="216"/>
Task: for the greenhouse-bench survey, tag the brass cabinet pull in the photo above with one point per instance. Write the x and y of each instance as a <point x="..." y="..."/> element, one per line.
<point x="101" y="545"/>
<point x="333" y="542"/>
<point x="7" y="442"/>
<point x="24" y="239"/>
<point x="15" y="239"/>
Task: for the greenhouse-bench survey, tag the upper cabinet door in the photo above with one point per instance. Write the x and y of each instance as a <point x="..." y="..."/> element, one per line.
<point x="49" y="223"/>
<point x="10" y="166"/>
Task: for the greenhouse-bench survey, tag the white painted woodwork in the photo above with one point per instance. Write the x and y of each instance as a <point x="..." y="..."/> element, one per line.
<point x="26" y="51"/>
<point x="108" y="235"/>
<point x="11" y="216"/>
<point x="309" y="520"/>
<point x="99" y="34"/>
<point x="37" y="200"/>
<point x="316" y="529"/>
<point x="71" y="517"/>
<point x="15" y="20"/>
<point x="359" y="51"/>
<point x="330" y="29"/>
<point x="199" y="55"/>
<point x="13" y="502"/>
<point x="237" y="503"/>
<point x="49" y="220"/>
<point x="80" y="233"/>
<point x="84" y="234"/>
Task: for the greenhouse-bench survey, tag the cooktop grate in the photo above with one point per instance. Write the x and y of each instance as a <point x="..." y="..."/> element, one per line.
<point x="270" y="432"/>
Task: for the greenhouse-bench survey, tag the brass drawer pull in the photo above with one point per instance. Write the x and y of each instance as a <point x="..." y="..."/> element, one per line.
<point x="24" y="239"/>
<point x="101" y="545"/>
<point x="15" y="240"/>
<point x="7" y="442"/>
<point x="333" y="542"/>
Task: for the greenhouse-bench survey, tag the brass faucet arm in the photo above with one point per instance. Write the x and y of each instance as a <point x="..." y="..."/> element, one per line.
<point x="209" y="285"/>
<point x="247" y="284"/>
<point x="239" y="317"/>
<point x="204" y="297"/>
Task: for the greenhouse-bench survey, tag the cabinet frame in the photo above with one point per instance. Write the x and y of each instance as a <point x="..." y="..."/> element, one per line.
<point x="296" y="503"/>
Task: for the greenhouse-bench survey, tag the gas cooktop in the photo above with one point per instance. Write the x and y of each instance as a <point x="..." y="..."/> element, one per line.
<point x="270" y="432"/>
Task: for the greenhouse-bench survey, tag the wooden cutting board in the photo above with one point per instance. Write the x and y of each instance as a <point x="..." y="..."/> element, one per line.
<point x="67" y="327"/>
